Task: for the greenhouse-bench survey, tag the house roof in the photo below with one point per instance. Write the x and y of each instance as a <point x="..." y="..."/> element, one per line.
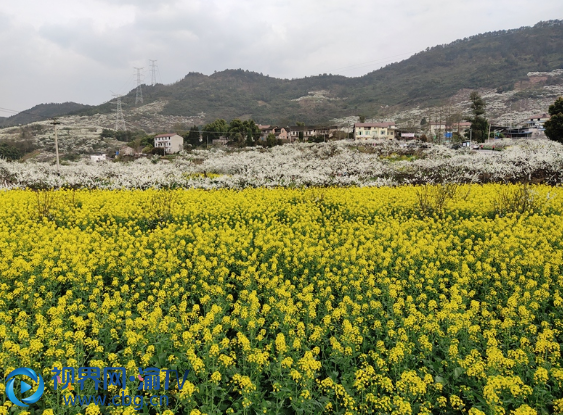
<point x="453" y="124"/>
<point x="374" y="124"/>
<point x="312" y="127"/>
<point x="165" y="135"/>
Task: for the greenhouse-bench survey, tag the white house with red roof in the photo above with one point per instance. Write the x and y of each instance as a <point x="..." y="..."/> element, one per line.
<point x="172" y="142"/>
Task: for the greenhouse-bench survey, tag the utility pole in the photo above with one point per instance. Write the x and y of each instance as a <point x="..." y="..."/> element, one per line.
<point x="139" y="94"/>
<point x="119" y="120"/>
<point x="440" y="126"/>
<point x="153" y="71"/>
<point x="489" y="135"/>
<point x="55" y="123"/>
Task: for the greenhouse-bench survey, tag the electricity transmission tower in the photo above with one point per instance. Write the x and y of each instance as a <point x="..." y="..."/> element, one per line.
<point x="153" y="71"/>
<point x="139" y="95"/>
<point x="119" y="120"/>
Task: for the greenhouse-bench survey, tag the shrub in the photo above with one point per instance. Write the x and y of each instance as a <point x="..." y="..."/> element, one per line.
<point x="432" y="199"/>
<point x="520" y="198"/>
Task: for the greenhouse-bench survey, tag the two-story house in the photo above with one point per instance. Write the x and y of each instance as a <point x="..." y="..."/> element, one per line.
<point x="537" y="121"/>
<point x="172" y="142"/>
<point x="373" y="131"/>
<point x="440" y="129"/>
<point x="307" y="132"/>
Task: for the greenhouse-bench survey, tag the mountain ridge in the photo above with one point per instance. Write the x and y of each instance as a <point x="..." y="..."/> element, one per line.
<point x="500" y="60"/>
<point x="41" y="112"/>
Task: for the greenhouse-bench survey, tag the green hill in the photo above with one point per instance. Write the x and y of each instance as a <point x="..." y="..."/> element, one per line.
<point x="41" y="112"/>
<point x="492" y="60"/>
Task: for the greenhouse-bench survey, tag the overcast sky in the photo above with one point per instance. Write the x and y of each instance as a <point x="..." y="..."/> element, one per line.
<point x="81" y="50"/>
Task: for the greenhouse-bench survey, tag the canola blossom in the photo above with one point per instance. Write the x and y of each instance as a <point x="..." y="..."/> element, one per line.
<point x="324" y="300"/>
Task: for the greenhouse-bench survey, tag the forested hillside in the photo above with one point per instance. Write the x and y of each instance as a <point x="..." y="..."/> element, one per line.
<point x="41" y="112"/>
<point x="498" y="60"/>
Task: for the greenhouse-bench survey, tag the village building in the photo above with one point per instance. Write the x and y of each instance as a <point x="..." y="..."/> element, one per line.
<point x="438" y="128"/>
<point x="126" y="151"/>
<point x="172" y="142"/>
<point x="307" y="132"/>
<point x="221" y="141"/>
<point x="98" y="157"/>
<point x="372" y="131"/>
<point x="282" y="133"/>
<point x="535" y="125"/>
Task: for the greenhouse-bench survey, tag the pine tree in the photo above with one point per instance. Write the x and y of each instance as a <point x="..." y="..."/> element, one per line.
<point x="479" y="124"/>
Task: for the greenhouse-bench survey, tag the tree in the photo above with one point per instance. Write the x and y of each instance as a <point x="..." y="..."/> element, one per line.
<point x="362" y="118"/>
<point x="239" y="139"/>
<point x="9" y="152"/>
<point x="125" y="136"/>
<point x="301" y="135"/>
<point x="271" y="140"/>
<point x="107" y="133"/>
<point x="554" y="126"/>
<point x="250" y="140"/>
<point x="192" y="137"/>
<point x="479" y="124"/>
<point x="236" y="129"/>
<point x="216" y="129"/>
<point x="252" y="132"/>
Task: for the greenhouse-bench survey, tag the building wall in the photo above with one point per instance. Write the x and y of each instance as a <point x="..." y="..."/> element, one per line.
<point x="283" y="134"/>
<point x="176" y="143"/>
<point x="171" y="145"/>
<point x="363" y="133"/>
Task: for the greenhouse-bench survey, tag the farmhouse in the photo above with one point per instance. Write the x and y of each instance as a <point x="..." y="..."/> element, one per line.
<point x="536" y="122"/>
<point x="366" y="131"/>
<point x="98" y="157"/>
<point x="126" y="151"/>
<point x="172" y="142"/>
<point x="439" y="129"/>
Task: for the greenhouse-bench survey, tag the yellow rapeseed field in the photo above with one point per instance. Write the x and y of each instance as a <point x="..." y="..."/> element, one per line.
<point x="288" y="300"/>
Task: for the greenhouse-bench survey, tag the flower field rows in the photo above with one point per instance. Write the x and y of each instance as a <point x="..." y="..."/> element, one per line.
<point x="333" y="300"/>
<point x="365" y="164"/>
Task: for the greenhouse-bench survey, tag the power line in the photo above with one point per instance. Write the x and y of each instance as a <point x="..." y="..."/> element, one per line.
<point x="8" y="110"/>
<point x="15" y="112"/>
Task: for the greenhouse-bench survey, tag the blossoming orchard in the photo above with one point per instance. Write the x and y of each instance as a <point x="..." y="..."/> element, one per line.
<point x="327" y="278"/>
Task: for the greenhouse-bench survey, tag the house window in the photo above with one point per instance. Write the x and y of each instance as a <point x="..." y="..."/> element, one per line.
<point x="382" y="132"/>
